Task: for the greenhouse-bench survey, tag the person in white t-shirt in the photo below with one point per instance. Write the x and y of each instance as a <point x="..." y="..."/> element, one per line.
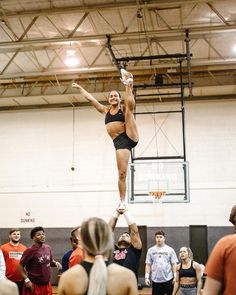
<point x="160" y="262"/>
<point x="2" y="266"/>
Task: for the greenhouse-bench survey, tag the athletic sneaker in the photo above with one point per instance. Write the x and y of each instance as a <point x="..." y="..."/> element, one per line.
<point x="126" y="77"/>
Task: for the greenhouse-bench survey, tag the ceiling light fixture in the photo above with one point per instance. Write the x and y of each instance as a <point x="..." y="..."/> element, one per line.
<point x="71" y="58"/>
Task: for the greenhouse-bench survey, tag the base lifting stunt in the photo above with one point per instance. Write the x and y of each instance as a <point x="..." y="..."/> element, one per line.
<point x="120" y="125"/>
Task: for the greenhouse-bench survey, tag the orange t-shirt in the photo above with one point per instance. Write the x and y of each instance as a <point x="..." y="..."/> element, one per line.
<point x="76" y="257"/>
<point x="12" y="255"/>
<point x="221" y="264"/>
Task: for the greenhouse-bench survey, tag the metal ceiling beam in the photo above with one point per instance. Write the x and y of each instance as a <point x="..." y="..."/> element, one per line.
<point x="218" y="14"/>
<point x="78" y="25"/>
<point x="109" y="47"/>
<point x="144" y="89"/>
<point x="109" y="68"/>
<point x="213" y="48"/>
<point x="9" y="62"/>
<point x="90" y="8"/>
<point x="154" y="86"/>
<point x="159" y="35"/>
<point x="164" y="56"/>
<point x="214" y="78"/>
<point x="139" y="101"/>
<point x="19" y="40"/>
<point x="219" y="69"/>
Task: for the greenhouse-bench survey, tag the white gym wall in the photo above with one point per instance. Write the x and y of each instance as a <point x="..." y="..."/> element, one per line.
<point x="39" y="148"/>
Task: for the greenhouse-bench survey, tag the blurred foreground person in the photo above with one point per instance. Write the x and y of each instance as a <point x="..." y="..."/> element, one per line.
<point x="7" y="287"/>
<point x="221" y="268"/>
<point x="96" y="275"/>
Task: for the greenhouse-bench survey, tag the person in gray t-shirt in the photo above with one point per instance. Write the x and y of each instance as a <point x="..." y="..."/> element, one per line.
<point x="160" y="262"/>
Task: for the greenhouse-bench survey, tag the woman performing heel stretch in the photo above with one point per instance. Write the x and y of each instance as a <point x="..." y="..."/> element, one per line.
<point x="120" y="125"/>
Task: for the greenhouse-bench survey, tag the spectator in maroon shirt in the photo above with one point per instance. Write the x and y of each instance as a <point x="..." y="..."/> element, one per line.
<point x="35" y="265"/>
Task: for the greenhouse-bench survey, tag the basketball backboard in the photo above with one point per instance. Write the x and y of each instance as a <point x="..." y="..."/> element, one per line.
<point x="151" y="179"/>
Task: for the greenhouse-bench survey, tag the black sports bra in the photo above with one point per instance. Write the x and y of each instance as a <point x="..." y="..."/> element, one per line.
<point x="189" y="272"/>
<point x="119" y="116"/>
<point x="88" y="265"/>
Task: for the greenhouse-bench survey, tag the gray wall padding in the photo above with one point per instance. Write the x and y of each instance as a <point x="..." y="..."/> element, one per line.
<point x="58" y="239"/>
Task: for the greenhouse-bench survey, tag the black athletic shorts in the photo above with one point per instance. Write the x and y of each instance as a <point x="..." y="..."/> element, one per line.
<point x="122" y="141"/>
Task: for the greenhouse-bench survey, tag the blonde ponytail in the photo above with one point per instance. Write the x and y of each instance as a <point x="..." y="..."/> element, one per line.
<point x="97" y="239"/>
<point x="98" y="277"/>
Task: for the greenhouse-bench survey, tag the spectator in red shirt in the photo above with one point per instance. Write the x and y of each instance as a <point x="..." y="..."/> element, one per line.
<point x="12" y="252"/>
<point x="77" y="255"/>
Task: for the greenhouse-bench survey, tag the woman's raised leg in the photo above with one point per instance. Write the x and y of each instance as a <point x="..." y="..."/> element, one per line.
<point x="129" y="103"/>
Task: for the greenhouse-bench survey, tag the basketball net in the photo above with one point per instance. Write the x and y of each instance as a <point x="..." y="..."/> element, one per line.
<point x="157" y="196"/>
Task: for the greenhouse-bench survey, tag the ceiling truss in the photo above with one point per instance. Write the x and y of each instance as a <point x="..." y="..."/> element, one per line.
<point x="34" y="40"/>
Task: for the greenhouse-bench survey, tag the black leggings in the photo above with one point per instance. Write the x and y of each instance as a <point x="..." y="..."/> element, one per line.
<point x="165" y="288"/>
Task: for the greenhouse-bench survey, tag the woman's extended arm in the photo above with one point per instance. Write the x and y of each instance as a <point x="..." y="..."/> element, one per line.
<point x="94" y="102"/>
<point x="176" y="285"/>
<point x="199" y="277"/>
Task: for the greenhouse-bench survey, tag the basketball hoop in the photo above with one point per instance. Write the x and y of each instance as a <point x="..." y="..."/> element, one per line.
<point x="157" y="195"/>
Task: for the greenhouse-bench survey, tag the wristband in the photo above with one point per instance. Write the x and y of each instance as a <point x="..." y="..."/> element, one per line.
<point x="27" y="280"/>
<point x="128" y="218"/>
<point x="146" y="276"/>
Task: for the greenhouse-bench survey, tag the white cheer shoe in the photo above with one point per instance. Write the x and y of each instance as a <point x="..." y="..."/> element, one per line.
<point x="126" y="77"/>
